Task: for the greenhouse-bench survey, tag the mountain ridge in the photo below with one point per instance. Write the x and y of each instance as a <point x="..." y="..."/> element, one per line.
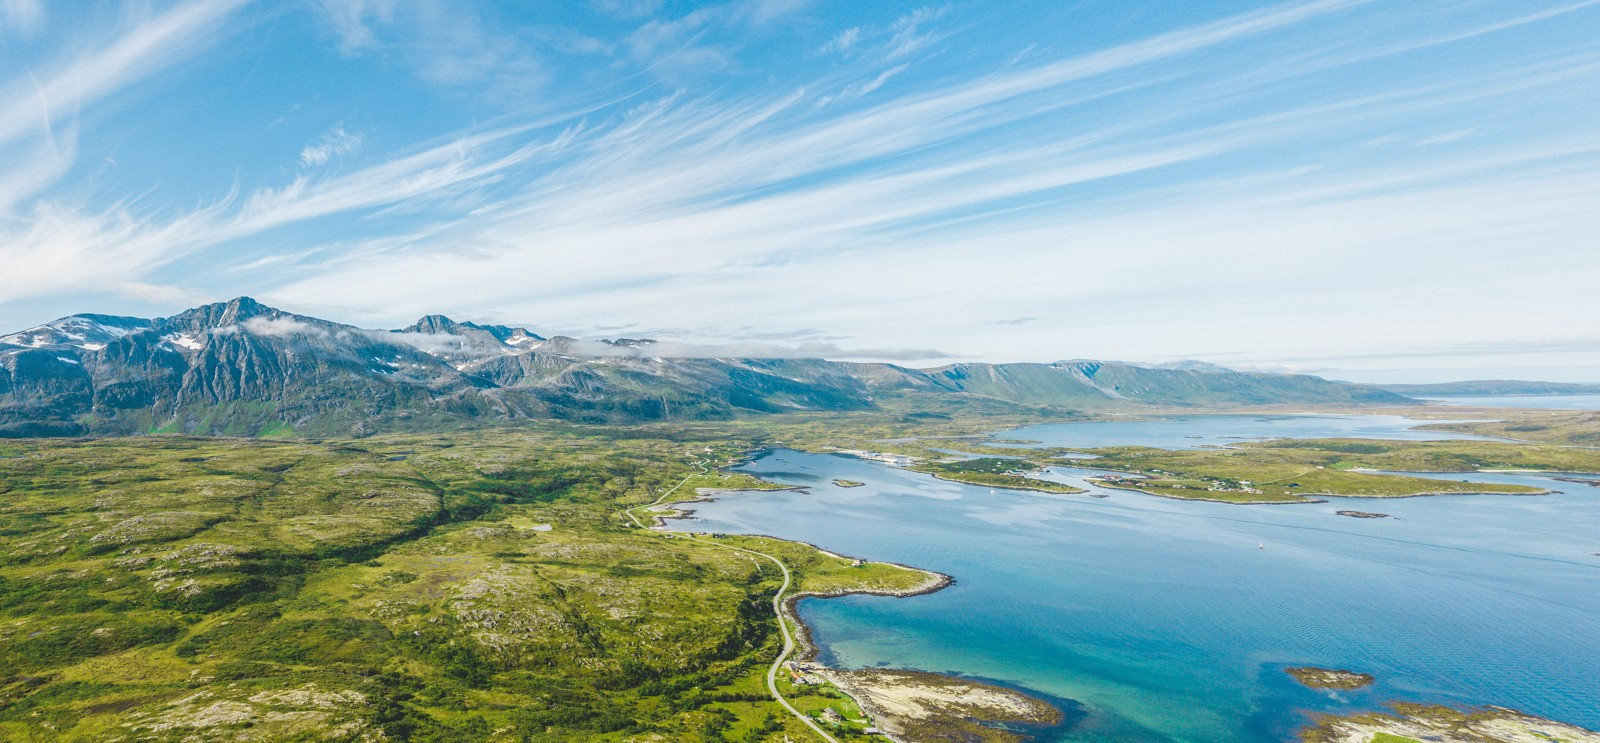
<point x="243" y="368"/>
<point x="1491" y="387"/>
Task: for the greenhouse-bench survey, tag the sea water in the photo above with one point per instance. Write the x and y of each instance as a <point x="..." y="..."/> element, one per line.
<point x="1152" y="619"/>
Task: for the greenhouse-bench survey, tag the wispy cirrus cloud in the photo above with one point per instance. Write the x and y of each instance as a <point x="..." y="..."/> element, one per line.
<point x="39" y="105"/>
<point x="448" y="44"/>
<point x="1146" y="184"/>
<point x="31" y="101"/>
<point x="627" y="8"/>
<point x="842" y="42"/>
<point x="748" y="350"/>
<point x="336" y="143"/>
<point x="755" y="147"/>
<point x="22" y="16"/>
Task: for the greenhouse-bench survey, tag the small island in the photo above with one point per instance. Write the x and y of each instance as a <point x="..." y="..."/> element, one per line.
<point x="1301" y="470"/>
<point x="1327" y="678"/>
<point x="995" y="472"/>
<point x="1362" y="514"/>
<point x="848" y="483"/>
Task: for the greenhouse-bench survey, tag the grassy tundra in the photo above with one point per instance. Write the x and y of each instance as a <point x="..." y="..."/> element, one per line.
<point x="436" y="588"/>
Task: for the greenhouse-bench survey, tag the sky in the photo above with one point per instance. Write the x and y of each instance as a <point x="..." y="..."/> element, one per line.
<point x="1371" y="190"/>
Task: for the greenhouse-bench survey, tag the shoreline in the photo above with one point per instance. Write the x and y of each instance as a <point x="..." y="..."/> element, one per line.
<point x="658" y="521"/>
<point x="1074" y="491"/>
<point x="910" y="706"/>
<point x="1322" y="497"/>
<point x="805" y="650"/>
<point x="807" y="647"/>
<point x="975" y="701"/>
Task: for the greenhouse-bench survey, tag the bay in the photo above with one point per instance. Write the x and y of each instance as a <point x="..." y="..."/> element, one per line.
<point x="1165" y="620"/>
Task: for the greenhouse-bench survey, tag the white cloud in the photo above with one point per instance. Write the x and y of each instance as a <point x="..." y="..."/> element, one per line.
<point x="909" y="32"/>
<point x="50" y="246"/>
<point x="22" y="16"/>
<point x="1445" y="138"/>
<point x="281" y="327"/>
<point x="336" y="143"/>
<point x="443" y="343"/>
<point x="351" y="21"/>
<point x="842" y="42"/>
<point x="448" y="44"/>
<point x="1207" y="212"/>
<point x="746" y="350"/>
<point x="31" y="100"/>
<point x="684" y="49"/>
<point x="627" y="8"/>
<point x="173" y="296"/>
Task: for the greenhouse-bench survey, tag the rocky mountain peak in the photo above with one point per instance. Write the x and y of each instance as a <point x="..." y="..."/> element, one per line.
<point x="221" y="314"/>
<point x="241" y="367"/>
<point x="433" y="325"/>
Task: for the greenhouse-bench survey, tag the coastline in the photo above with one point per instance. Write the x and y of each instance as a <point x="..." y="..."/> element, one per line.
<point x="658" y="520"/>
<point x="806" y="651"/>
<point x="1075" y="490"/>
<point x="923" y="707"/>
<point x="1321" y="497"/>
<point x="902" y="704"/>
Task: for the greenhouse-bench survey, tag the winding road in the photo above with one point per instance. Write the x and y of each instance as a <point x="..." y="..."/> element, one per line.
<point x="777" y="602"/>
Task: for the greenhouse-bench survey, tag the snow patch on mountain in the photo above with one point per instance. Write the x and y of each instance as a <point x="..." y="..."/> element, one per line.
<point x="87" y="332"/>
<point x="184" y="340"/>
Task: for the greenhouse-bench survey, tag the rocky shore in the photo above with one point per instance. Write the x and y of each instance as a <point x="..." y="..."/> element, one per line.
<point x="1439" y="724"/>
<point x="931" y="708"/>
<point x="1325" y="678"/>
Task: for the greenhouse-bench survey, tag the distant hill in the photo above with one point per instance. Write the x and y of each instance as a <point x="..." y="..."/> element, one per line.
<point x="1094" y="384"/>
<point x="1487" y="387"/>
<point x="243" y="368"/>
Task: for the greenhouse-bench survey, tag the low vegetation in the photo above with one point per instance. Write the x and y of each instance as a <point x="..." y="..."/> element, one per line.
<point x="1415" y="723"/>
<point x="1297" y="470"/>
<point x="995" y="472"/>
<point x="931" y="708"/>
<point x="483" y="585"/>
<point x="1327" y="678"/>
<point x="458" y="587"/>
<point x="1564" y="427"/>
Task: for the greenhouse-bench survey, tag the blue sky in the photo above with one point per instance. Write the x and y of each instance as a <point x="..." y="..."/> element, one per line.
<point x="1366" y="190"/>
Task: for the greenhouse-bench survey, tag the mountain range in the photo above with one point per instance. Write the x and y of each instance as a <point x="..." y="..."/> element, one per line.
<point x="243" y="368"/>
<point x="1493" y="387"/>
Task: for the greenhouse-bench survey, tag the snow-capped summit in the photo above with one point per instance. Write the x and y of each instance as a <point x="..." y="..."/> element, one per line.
<point x="86" y="332"/>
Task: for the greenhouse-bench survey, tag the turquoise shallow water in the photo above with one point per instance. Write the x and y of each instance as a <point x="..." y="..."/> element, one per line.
<point x="1152" y="619"/>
